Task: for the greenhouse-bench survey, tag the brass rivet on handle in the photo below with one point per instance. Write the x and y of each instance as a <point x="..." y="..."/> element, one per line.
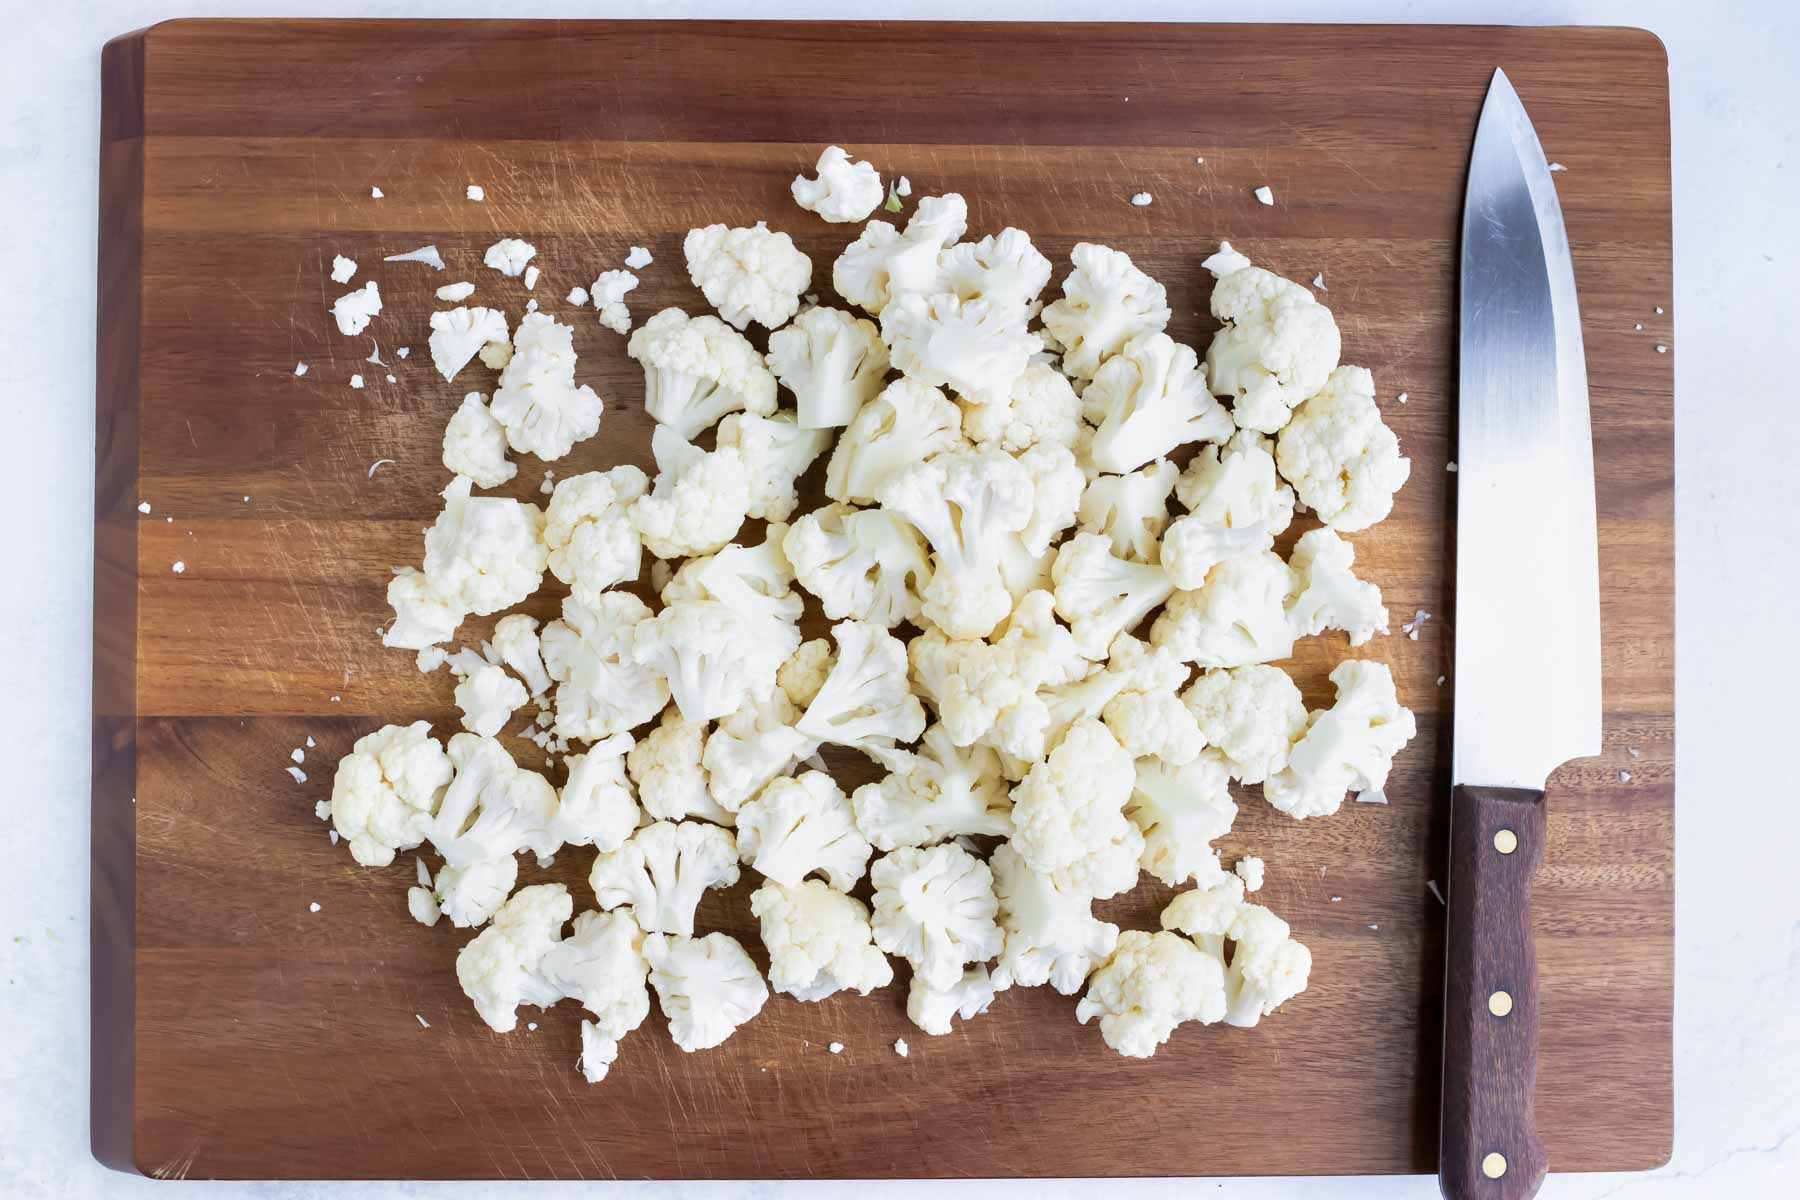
<point x="1500" y="1003"/>
<point x="1494" y="1165"/>
<point x="1506" y="841"/>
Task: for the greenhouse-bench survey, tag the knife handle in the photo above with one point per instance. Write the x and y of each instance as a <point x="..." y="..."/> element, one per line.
<point x="1488" y="1148"/>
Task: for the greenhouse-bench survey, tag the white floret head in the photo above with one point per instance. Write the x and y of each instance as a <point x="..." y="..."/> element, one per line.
<point x="458" y="335"/>
<point x="971" y="346"/>
<point x="1106" y="302"/>
<point x="484" y="553"/>
<point x="699" y="501"/>
<point x="707" y="986"/>
<point x="1348" y="747"/>
<point x="1251" y="716"/>
<point x="800" y="825"/>
<point x="883" y="262"/>
<point x="935" y="908"/>
<point x="866" y="702"/>
<point x="862" y="564"/>
<point x="1069" y="814"/>
<point x="1132" y="510"/>
<point x="1326" y="592"/>
<point x="1343" y="460"/>
<point x="776" y="452"/>
<point x="1276" y="348"/>
<point x="843" y="190"/>
<point x="697" y="369"/>
<point x="667" y="767"/>
<point x="588" y="532"/>
<point x="748" y="274"/>
<point x="833" y="362"/>
<point x="1238" y="617"/>
<point x="475" y="444"/>
<point x="1052" y="935"/>
<point x="663" y="870"/>
<point x="820" y="941"/>
<point x="1152" y="983"/>
<point x="544" y="411"/>
<point x="601" y="687"/>
<point x="1148" y="400"/>
<point x="386" y="791"/>
<point x="933" y="1008"/>
<point x="1180" y="810"/>
<point x="906" y="423"/>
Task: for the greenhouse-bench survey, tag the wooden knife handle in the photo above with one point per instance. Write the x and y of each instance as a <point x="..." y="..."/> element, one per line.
<point x="1488" y="1148"/>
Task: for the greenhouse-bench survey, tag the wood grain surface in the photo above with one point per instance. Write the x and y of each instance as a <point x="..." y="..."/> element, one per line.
<point x="236" y="1033"/>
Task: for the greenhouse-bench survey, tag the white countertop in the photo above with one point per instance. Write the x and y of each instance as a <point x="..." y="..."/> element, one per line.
<point x="1736" y="92"/>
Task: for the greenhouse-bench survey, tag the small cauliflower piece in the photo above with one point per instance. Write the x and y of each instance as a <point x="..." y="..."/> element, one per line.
<point x="1343" y="460"/>
<point x="483" y="553"/>
<point x="935" y="908"/>
<point x="776" y="452"/>
<point x="800" y="825"/>
<point x="1132" y="510"/>
<point x="342" y="269"/>
<point x="608" y="297"/>
<point x="422" y="617"/>
<point x="865" y="702"/>
<point x="1277" y="347"/>
<point x="663" y="870"/>
<point x="1348" y="747"/>
<point x="1236" y="507"/>
<point x="475" y="444"/>
<point x="844" y="190"/>
<point x="1132" y="668"/>
<point x="601" y="965"/>
<point x="1101" y="595"/>
<point x="1237" y="618"/>
<point x="1251" y="716"/>
<point x="670" y="777"/>
<point x="707" y="987"/>
<point x="458" y="335"/>
<point x="596" y="806"/>
<point x="1042" y="407"/>
<point x="937" y="792"/>
<point x="970" y="346"/>
<point x="1003" y="269"/>
<point x="1180" y="810"/>
<point x="819" y="940"/>
<point x="752" y="746"/>
<point x="471" y="893"/>
<point x="1327" y="594"/>
<point x="509" y="256"/>
<point x="544" y="412"/>
<point x="488" y="697"/>
<point x="1106" y="302"/>
<point x="932" y="1009"/>
<point x="499" y="968"/>
<point x="862" y="564"/>
<point x="1268" y="967"/>
<point x="1068" y="815"/>
<point x="715" y="657"/>
<point x="386" y="791"/>
<point x="1052" y="935"/>
<point x="833" y="362"/>
<point x="754" y="581"/>
<point x="492" y="809"/>
<point x="588" y="532"/>
<point x="1057" y="486"/>
<point x="602" y="688"/>
<point x="883" y="262"/>
<point x="803" y="674"/>
<point x="752" y="274"/>
<point x="1155" y="724"/>
<point x="1148" y="400"/>
<point x="906" y="423"/>
<point x="1152" y="983"/>
<point x="699" y="500"/>
<point x="964" y="503"/>
<point x="976" y="685"/>
<point x="1250" y="869"/>
<point x="354" y="310"/>
<point x="697" y="369"/>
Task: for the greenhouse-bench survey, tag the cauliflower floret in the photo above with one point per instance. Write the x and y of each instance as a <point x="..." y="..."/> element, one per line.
<point x="1052" y="935"/>
<point x="865" y="702"/>
<point x="471" y="893"/>
<point x="422" y="618"/>
<point x="588" y="530"/>
<point x="1327" y="594"/>
<point x="964" y="503"/>
<point x="1250" y="869"/>
<point x="1146" y="401"/>
<point x="700" y="499"/>
<point x="697" y="369"/>
<point x="596" y="807"/>
<point x="354" y="310"/>
<point x="483" y="553"/>
<point x="1132" y="510"/>
<point x="1236" y="507"/>
<point x="386" y="791"/>
<point x="1042" y="407"/>
<point x="800" y="825"/>
<point x="883" y="263"/>
<point x="803" y="674"/>
<point x="707" y="987"/>
<point x="1155" y="724"/>
<point x="971" y="346"/>
<point x="1057" y="486"/>
<point x="1237" y="618"/>
<point x="906" y="423"/>
<point x="458" y="334"/>
<point x="601" y="964"/>
<point x="1004" y="269"/>
<point x="862" y="564"/>
<point x="938" y="792"/>
<point x="1101" y="595"/>
<point x="931" y="1009"/>
<point x="832" y="362"/>
<point x="1251" y="715"/>
<point x="715" y="658"/>
<point x="499" y="969"/>
<point x="1180" y="810"/>
<point x="608" y="297"/>
<point x="1206" y="913"/>
<point x="1277" y="346"/>
<point x="509" y="256"/>
<point x="475" y="444"/>
<point x="602" y="689"/>
<point x="1152" y="983"/>
<point x="1268" y="967"/>
<point x="666" y="766"/>
<point x="819" y="941"/>
<point x="1069" y="819"/>
<point x="1106" y="302"/>
<point x="492" y="809"/>
<point x="752" y="746"/>
<point x="663" y="870"/>
<point x="776" y="452"/>
<point x="1342" y="459"/>
<point x="1348" y="747"/>
<point x="752" y="274"/>
<point x="844" y="190"/>
<point x="756" y="582"/>
<point x="935" y="908"/>
<point x="976" y="684"/>
<point x="488" y="697"/>
<point x="537" y="401"/>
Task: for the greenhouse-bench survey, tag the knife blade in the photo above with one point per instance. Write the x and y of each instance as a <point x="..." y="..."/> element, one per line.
<point x="1527" y="691"/>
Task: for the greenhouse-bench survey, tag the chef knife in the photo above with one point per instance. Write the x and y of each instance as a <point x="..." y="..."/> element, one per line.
<point x="1527" y="695"/>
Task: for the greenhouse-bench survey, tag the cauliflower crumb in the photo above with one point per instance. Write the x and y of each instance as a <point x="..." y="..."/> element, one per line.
<point x="313" y="907"/>
<point x="1401" y="398"/>
<point x="1432" y="886"/>
<point x="1450" y="467"/>
<point x="904" y="187"/>
<point x="342" y="269"/>
<point x="638" y="259"/>
<point x="356" y="381"/>
<point x="403" y="351"/>
<point x="531" y="1027"/>
<point x="1265" y="194"/>
<point x="577" y="296"/>
<point x="424" y="254"/>
<point x="1142" y="199"/>
<point x="1660" y="349"/>
<point x="377" y="465"/>
<point x="297" y="773"/>
<point x="300" y="369"/>
<point x="143" y="506"/>
<point x="179" y="566"/>
<point x="456" y="293"/>
<point x="309" y="743"/>
<point x="297" y="754"/>
<point x="1624" y="776"/>
<point x="1556" y="166"/>
<point x="1659" y="311"/>
<point x="1440" y="681"/>
<point x="423" y="1023"/>
<point x="1250" y="869"/>
<point x="1412" y="627"/>
<point x="1633" y="751"/>
<point x="531" y="277"/>
<point x="322" y="810"/>
<point x="376" y="193"/>
<point x="1319" y="282"/>
<point x="476" y="192"/>
<point x="836" y="1047"/>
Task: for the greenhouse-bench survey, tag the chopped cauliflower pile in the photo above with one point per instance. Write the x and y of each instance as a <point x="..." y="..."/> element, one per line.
<point x="1054" y="569"/>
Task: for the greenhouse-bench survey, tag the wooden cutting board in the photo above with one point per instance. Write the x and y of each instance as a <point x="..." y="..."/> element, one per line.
<point x="238" y="1033"/>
